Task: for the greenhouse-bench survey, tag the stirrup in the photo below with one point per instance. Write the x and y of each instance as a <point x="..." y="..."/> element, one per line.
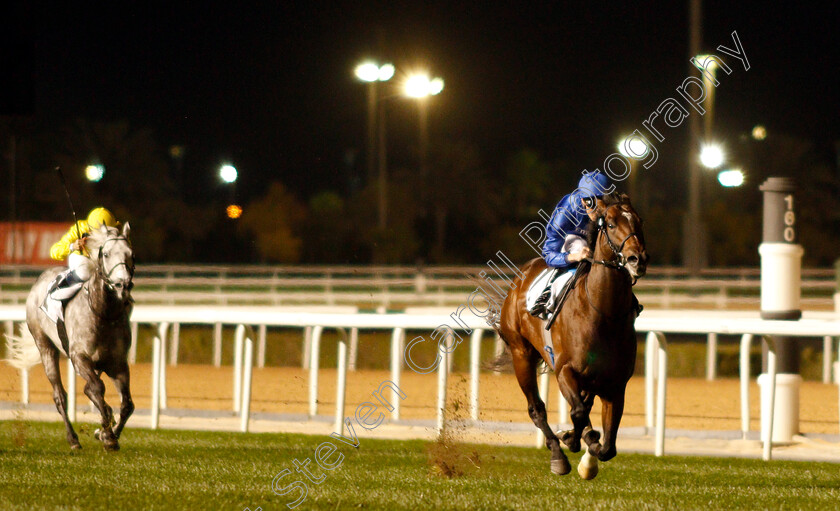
<point x="538" y="309"/>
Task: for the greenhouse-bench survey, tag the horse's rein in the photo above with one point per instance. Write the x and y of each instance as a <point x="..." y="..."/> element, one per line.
<point x="106" y="277"/>
<point x="101" y="266"/>
<point x="615" y="265"/>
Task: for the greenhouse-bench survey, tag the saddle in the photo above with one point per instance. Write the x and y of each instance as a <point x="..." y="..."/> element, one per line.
<point x="64" y="287"/>
<point x="548" y="291"/>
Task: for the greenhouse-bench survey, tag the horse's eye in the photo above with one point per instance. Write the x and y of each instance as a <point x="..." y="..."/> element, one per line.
<point x="611" y="226"/>
<point x="104" y="254"/>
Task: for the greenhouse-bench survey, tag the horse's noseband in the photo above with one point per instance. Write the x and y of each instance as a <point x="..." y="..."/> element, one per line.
<point x="106" y="276"/>
<point x="617" y="250"/>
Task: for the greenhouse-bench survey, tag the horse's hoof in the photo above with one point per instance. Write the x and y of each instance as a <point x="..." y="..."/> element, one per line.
<point x="561" y="467"/>
<point x="111" y="446"/>
<point x="591" y="436"/>
<point x="607" y="455"/>
<point x="76" y="447"/>
<point x="96" y="433"/>
<point x="568" y="438"/>
<point x="588" y="466"/>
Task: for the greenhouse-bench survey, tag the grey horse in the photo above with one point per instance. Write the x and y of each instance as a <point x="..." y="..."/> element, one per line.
<point x="98" y="330"/>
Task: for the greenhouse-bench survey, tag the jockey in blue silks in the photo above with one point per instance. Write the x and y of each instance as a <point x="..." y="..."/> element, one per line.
<point x="565" y="241"/>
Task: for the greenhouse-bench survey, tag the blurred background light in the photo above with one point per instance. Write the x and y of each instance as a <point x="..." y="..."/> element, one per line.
<point x="636" y="146"/>
<point x="371" y="72"/>
<point x="711" y="156"/>
<point x="234" y="211"/>
<point x="386" y="72"/>
<point x="731" y="177"/>
<point x="94" y="173"/>
<point x="759" y="132"/>
<point x="420" y="86"/>
<point x="228" y="173"/>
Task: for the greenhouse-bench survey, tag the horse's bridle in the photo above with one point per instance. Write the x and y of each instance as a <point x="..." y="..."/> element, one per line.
<point x="106" y="276"/>
<point x="621" y="263"/>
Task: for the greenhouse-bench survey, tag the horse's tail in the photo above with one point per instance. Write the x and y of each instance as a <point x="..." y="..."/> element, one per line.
<point x="502" y="363"/>
<point x="21" y="350"/>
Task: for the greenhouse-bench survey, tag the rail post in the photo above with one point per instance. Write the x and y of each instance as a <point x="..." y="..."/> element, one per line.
<point x="397" y="342"/>
<point x="261" y="346"/>
<point x="174" y="341"/>
<point x="341" y="386"/>
<point x="314" y="362"/>
<point x="238" y="345"/>
<point x="162" y="330"/>
<point x="247" y="374"/>
<point x="662" y="378"/>
<point x="781" y="270"/>
<point x="744" y="370"/>
<point x="155" y="412"/>
<point x="217" y="345"/>
<point x="475" y="355"/>
<point x="353" y="354"/>
<point x="443" y="373"/>
<point x="711" y="356"/>
<point x="650" y="380"/>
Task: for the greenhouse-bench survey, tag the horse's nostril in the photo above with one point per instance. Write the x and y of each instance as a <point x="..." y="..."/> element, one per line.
<point x="633" y="260"/>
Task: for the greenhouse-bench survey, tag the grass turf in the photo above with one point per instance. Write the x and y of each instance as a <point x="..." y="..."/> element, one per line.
<point x="208" y="470"/>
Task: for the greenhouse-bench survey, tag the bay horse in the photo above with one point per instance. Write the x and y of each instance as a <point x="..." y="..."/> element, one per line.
<point x="98" y="332"/>
<point x="593" y="337"/>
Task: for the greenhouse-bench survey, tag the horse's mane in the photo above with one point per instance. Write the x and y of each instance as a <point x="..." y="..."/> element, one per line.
<point x="97" y="237"/>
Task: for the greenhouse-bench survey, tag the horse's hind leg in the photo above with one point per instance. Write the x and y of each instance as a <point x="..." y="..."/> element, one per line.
<point x="121" y="381"/>
<point x="525" y="366"/>
<point x="612" y="408"/>
<point x="95" y="391"/>
<point x="49" y="357"/>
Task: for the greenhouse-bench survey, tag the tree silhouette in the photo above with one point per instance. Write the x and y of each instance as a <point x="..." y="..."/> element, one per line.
<point x="273" y="222"/>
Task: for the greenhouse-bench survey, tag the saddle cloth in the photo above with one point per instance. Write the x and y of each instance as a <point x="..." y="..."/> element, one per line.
<point x="538" y="286"/>
<point x="54" y="302"/>
<point x="573" y="243"/>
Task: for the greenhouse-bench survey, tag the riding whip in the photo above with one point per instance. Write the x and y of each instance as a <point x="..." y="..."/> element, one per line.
<point x="69" y="200"/>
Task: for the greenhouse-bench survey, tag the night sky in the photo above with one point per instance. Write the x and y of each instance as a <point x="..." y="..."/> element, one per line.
<point x="271" y="88"/>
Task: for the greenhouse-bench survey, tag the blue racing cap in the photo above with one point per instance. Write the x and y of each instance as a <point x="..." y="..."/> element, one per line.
<point x="593" y="184"/>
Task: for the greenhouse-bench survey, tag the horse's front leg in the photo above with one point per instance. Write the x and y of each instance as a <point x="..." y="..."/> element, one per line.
<point x="612" y="408"/>
<point x="121" y="381"/>
<point x="569" y="385"/>
<point x="95" y="391"/>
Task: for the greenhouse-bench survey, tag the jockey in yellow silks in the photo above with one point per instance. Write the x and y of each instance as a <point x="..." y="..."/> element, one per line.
<point x="72" y="248"/>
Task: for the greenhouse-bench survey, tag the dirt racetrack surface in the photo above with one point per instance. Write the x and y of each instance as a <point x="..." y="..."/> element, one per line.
<point x="692" y="404"/>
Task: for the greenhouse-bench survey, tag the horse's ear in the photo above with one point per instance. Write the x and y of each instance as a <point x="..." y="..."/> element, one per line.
<point x="126" y="230"/>
<point x="598" y="211"/>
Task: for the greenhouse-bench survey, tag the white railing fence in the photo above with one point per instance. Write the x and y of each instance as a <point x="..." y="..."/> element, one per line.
<point x="396" y="287"/>
<point x="244" y="318"/>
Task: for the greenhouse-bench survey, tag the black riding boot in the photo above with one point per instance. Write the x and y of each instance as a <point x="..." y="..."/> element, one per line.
<point x="538" y="310"/>
<point x="638" y="307"/>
